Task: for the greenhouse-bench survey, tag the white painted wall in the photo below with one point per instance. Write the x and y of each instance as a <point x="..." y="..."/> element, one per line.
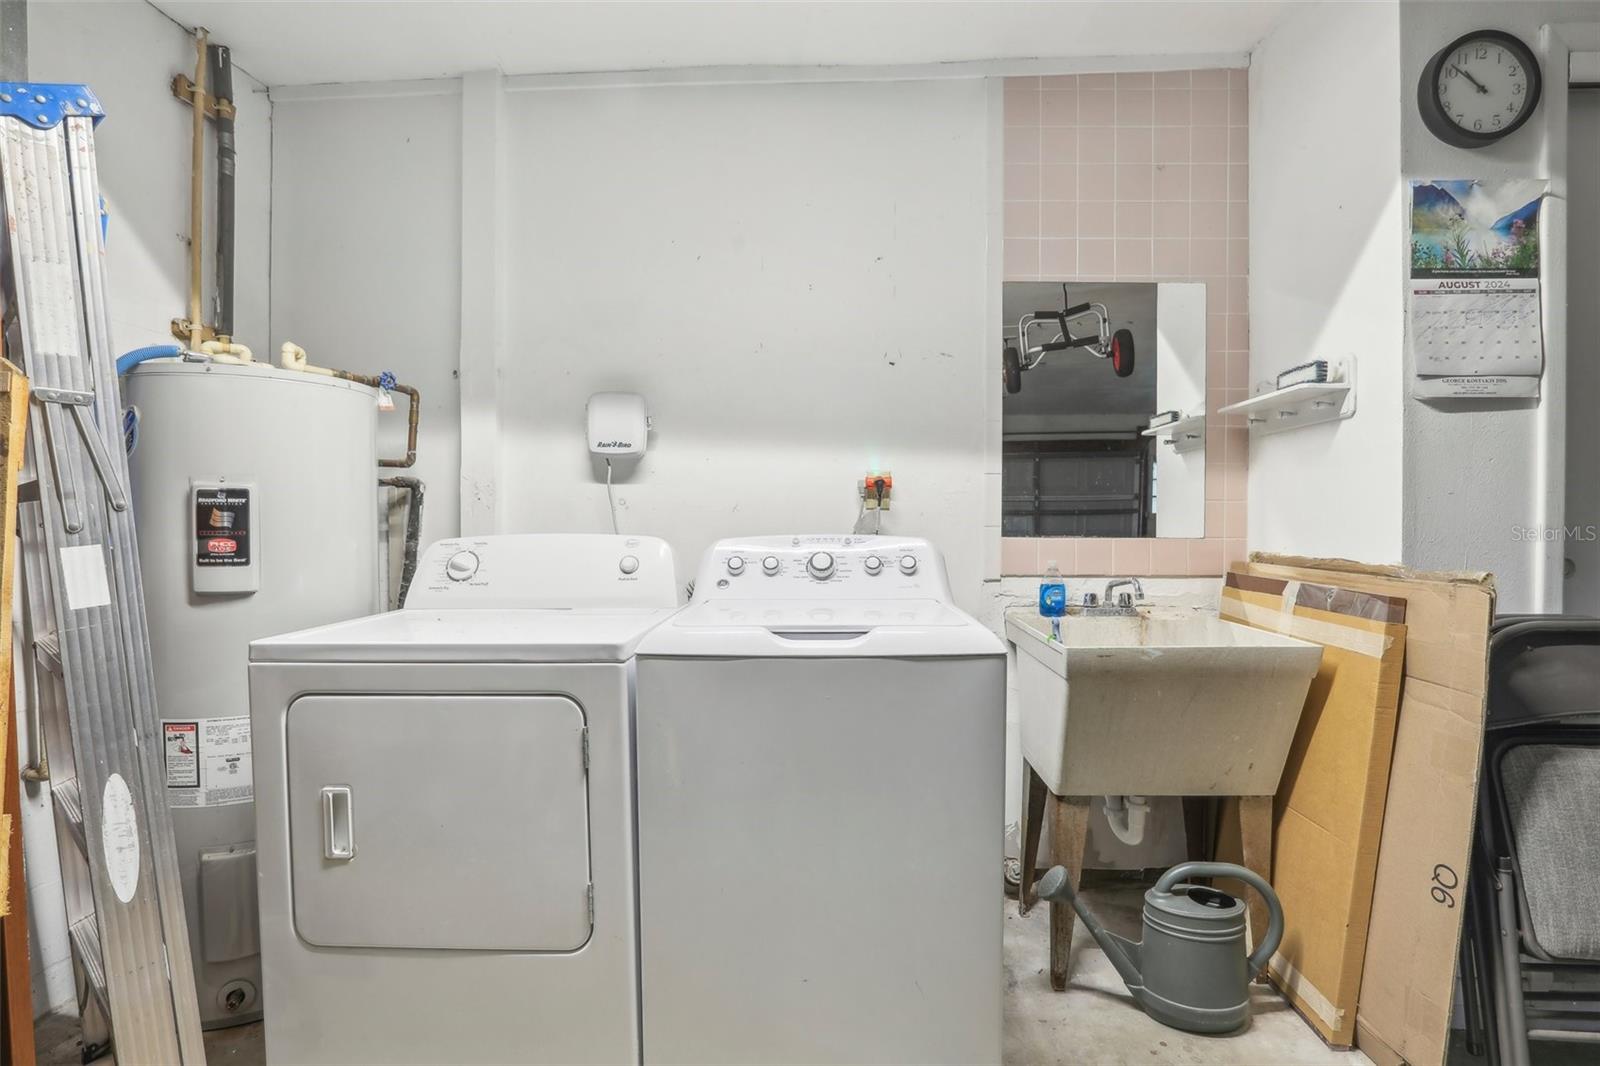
<point x="1475" y="473"/>
<point x="366" y="259"/>
<point x="1581" y="589"/>
<point x="792" y="275"/>
<point x="1325" y="275"/>
<point x="128" y="53"/>
<point x="799" y="277"/>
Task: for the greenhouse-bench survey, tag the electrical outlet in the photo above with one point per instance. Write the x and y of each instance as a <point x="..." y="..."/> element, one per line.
<point x="868" y="487"/>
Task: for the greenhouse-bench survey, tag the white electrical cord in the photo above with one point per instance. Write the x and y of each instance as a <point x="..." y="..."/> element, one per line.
<point x="610" y="499"/>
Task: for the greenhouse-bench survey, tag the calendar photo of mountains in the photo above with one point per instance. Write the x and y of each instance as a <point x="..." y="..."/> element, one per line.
<point x="1476" y="228"/>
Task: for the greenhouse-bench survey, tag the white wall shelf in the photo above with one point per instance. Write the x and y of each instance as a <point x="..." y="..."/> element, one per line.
<point x="1306" y="404"/>
<point x="1186" y="434"/>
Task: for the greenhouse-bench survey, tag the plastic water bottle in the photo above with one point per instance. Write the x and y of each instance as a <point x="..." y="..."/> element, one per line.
<point x="1053" y="599"/>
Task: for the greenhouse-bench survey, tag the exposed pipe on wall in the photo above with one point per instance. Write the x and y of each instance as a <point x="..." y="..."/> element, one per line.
<point x="293" y="357"/>
<point x="197" y="170"/>
<point x="222" y="94"/>
<point x="408" y="568"/>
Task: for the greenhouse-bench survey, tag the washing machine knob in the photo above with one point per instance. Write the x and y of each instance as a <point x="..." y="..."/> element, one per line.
<point x="820" y="565"/>
<point x="735" y="565"/>
<point x="873" y="565"/>
<point x="770" y="564"/>
<point x="461" y="566"/>
<point x="908" y="564"/>
<point x="628" y="564"/>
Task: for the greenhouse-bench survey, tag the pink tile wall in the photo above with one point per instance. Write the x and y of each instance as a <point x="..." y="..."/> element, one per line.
<point x="1141" y="177"/>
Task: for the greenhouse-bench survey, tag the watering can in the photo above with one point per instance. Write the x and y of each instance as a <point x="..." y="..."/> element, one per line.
<point x="1190" y="970"/>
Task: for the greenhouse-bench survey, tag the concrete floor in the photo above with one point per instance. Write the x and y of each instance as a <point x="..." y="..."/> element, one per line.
<point x="1093" y="1023"/>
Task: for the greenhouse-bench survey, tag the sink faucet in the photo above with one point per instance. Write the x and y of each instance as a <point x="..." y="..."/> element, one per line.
<point x="1138" y="590"/>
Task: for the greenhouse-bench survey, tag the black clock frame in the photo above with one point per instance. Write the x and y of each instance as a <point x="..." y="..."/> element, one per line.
<point x="1432" y="109"/>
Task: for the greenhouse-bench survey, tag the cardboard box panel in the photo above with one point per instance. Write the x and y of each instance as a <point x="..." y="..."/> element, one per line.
<point x="1328" y="813"/>
<point x="1415" y="927"/>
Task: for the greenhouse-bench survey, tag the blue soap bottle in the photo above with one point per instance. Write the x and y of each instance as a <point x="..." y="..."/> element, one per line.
<point x="1053" y="599"/>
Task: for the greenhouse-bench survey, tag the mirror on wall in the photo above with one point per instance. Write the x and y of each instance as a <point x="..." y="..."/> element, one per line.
<point x="1104" y="420"/>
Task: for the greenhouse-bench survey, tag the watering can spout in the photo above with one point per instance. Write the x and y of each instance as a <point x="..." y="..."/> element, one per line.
<point x="1124" y="954"/>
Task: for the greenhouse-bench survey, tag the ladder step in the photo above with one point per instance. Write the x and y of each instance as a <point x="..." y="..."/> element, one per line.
<point x="28" y="490"/>
<point x="69" y="806"/>
<point x="47" y="651"/>
<point x="85" y="936"/>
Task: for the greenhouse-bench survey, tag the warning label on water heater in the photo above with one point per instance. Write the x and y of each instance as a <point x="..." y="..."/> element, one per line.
<point x="222" y="526"/>
<point x="207" y="761"/>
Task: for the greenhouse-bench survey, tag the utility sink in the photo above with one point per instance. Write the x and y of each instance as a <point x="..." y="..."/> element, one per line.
<point x="1166" y="701"/>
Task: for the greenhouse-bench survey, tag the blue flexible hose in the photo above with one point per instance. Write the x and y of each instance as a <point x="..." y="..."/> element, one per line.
<point x="132" y="359"/>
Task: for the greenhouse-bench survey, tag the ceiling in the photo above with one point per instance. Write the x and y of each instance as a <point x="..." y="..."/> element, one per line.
<point x="300" y="42"/>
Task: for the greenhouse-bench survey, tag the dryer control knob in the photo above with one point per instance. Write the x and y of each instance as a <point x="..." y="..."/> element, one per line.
<point x="770" y="564"/>
<point x="873" y="565"/>
<point x="735" y="565"/>
<point x="461" y="566"/>
<point x="820" y="565"/>
<point x="908" y="564"/>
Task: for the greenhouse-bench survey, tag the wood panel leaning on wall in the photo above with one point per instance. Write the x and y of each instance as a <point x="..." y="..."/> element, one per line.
<point x="16" y="997"/>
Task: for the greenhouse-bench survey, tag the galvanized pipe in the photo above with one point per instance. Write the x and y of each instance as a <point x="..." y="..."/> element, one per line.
<point x="197" y="171"/>
<point x="222" y="94"/>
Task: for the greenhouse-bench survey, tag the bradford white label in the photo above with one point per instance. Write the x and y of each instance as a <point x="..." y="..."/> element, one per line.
<point x="222" y="527"/>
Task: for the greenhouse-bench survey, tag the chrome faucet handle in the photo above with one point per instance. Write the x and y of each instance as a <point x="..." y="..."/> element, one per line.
<point x="1091" y="599"/>
<point x="1124" y="599"/>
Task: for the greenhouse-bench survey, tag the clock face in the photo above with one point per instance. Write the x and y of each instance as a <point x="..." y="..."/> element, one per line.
<point x="1479" y="88"/>
<point x="1484" y="86"/>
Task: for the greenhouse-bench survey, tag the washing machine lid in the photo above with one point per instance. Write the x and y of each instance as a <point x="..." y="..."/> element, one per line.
<point x="604" y="635"/>
<point x="890" y="628"/>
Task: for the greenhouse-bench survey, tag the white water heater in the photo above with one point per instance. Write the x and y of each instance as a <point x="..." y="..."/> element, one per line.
<point x="256" y="502"/>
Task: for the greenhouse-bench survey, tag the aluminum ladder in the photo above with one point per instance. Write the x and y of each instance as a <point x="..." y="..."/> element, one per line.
<point x="90" y="676"/>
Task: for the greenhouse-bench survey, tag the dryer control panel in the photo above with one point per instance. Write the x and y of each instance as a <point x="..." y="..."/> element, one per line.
<point x="831" y="567"/>
<point x="545" y="570"/>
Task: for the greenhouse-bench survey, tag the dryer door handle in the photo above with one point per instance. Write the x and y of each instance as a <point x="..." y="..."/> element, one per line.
<point x="338" y="826"/>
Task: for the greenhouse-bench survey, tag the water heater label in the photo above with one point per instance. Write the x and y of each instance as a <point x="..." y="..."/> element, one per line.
<point x="208" y="761"/>
<point x="222" y="526"/>
<point x="180" y="742"/>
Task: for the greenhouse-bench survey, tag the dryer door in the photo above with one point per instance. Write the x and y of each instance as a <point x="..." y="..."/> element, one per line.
<point x="439" y="822"/>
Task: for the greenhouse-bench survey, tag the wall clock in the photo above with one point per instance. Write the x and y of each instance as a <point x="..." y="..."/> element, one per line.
<point x="1479" y="88"/>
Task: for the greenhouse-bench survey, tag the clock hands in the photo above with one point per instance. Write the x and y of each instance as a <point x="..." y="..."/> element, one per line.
<point x="1469" y="77"/>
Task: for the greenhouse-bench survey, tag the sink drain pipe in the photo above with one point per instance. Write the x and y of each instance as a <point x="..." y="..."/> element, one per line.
<point x="1126" y="815"/>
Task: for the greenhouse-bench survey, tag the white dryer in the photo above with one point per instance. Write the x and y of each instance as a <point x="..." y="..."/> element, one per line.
<point x="821" y="761"/>
<point x="444" y="811"/>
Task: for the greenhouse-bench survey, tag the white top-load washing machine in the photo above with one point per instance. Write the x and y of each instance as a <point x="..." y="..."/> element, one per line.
<point x="444" y="811"/>
<point x="821" y="761"/>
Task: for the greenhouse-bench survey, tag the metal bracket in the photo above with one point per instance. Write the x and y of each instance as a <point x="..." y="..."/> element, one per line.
<point x="182" y="327"/>
<point x="69" y="397"/>
<point x="183" y="89"/>
<point x="78" y="402"/>
<point x="44" y="105"/>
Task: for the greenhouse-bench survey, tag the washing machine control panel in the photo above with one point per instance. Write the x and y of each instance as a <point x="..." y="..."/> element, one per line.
<point x="545" y="570"/>
<point x="823" y="567"/>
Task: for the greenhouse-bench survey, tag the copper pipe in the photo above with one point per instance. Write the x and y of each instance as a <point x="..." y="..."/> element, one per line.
<point x="197" y="171"/>
<point x="413" y="412"/>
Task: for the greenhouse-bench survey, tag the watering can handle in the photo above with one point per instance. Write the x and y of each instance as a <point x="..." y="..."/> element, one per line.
<point x="1269" y="942"/>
